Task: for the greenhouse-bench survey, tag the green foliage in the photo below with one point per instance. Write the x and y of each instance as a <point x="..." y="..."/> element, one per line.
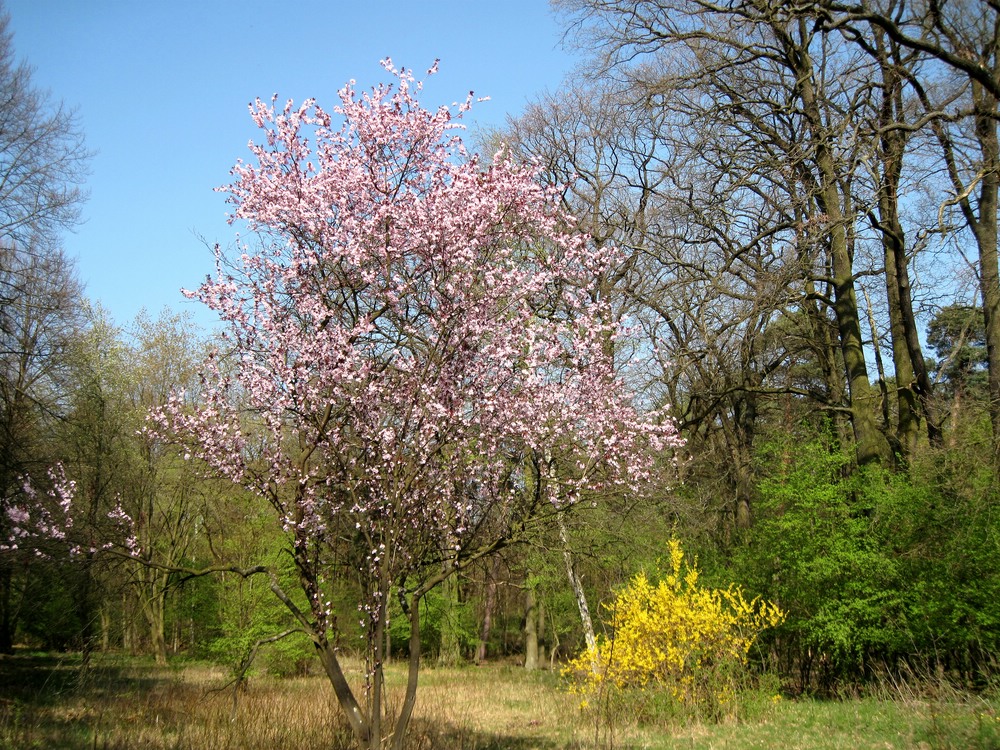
<point x="949" y="536"/>
<point x="193" y="613"/>
<point x="611" y="540"/>
<point x="249" y="612"/>
<point x="875" y="569"/>
<point x="436" y="614"/>
<point x="818" y="547"/>
<point x="957" y="334"/>
<point x="49" y="615"/>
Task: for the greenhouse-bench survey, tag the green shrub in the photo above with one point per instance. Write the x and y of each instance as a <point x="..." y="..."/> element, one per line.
<point x="875" y="569"/>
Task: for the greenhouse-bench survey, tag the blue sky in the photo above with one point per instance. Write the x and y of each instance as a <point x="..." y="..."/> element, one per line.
<point x="161" y="90"/>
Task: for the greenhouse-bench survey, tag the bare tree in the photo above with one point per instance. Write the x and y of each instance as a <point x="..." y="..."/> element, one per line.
<point x="43" y="159"/>
<point x="833" y="94"/>
<point x="706" y="213"/>
<point x="42" y="164"/>
<point x="964" y="36"/>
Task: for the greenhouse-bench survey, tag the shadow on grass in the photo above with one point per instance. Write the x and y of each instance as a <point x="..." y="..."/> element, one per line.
<point x="430" y="735"/>
<point x="433" y="735"/>
<point x="41" y="695"/>
<point x="44" y="679"/>
<point x="121" y="703"/>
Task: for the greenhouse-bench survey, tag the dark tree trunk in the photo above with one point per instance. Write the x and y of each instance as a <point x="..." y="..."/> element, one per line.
<point x="6" y="603"/>
<point x="870" y="444"/>
<point x="489" y="603"/>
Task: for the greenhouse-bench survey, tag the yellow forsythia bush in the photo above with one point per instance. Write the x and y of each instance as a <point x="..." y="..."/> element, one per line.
<point x="674" y="637"/>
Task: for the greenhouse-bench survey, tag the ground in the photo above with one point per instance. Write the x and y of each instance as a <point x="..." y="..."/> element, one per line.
<point x="50" y="701"/>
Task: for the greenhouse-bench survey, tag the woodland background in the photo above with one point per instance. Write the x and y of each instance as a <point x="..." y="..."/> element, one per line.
<point x="807" y="199"/>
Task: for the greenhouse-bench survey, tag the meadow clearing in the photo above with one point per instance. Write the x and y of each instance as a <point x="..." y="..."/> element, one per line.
<point x="51" y="701"/>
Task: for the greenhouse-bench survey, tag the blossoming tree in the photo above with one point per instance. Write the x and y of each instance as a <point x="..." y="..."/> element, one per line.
<point x="416" y="366"/>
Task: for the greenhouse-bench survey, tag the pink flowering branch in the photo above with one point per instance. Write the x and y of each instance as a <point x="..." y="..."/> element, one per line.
<point x="40" y="518"/>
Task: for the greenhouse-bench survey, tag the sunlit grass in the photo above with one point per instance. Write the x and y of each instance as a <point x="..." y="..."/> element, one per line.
<point x="118" y="703"/>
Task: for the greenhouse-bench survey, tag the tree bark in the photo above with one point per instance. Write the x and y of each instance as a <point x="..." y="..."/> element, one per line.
<point x="451" y="646"/>
<point x="85" y="609"/>
<point x="530" y="629"/>
<point x="871" y="445"/>
<point x="985" y="230"/>
<point x="581" y="597"/>
<point x="6" y="621"/>
<point x="489" y="603"/>
<point x="913" y="384"/>
<point x="342" y="690"/>
<point x="413" y="671"/>
<point x="154" y="612"/>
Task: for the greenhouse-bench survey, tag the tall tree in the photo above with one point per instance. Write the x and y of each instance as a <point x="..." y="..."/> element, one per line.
<point x="167" y="496"/>
<point x="766" y="79"/>
<point x="97" y="434"/>
<point x="893" y="119"/>
<point x="37" y="328"/>
<point x="703" y="273"/>
<point x="118" y="376"/>
<point x="43" y="159"/>
<point x="964" y="36"/>
<point x="42" y="164"/>
<point x="414" y="333"/>
<point x="957" y="334"/>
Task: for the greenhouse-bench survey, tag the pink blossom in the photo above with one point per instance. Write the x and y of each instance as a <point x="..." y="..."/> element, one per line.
<point x="414" y="334"/>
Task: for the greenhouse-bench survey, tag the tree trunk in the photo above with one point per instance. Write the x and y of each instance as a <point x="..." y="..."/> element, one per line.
<point x="378" y="675"/>
<point x="883" y="387"/>
<point x="154" y="612"/>
<point x="105" y="629"/>
<point x="451" y="645"/>
<point x="581" y="597"/>
<point x="913" y="384"/>
<point x="745" y="428"/>
<point x="907" y="406"/>
<point x="6" y="604"/>
<point x="85" y="609"/>
<point x="530" y="629"/>
<point x="953" y="414"/>
<point x="489" y="604"/>
<point x="342" y="690"/>
<point x="982" y="219"/>
<point x="413" y="670"/>
<point x="870" y="444"/>
<point x="825" y="348"/>
<point x="985" y="230"/>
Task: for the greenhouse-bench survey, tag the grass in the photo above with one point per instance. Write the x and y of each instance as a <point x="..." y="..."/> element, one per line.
<point x="120" y="703"/>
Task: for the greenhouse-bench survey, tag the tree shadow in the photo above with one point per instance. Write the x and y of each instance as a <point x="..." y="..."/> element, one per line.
<point x="41" y="695"/>
<point x="46" y="678"/>
<point x="119" y="703"/>
<point x="428" y="734"/>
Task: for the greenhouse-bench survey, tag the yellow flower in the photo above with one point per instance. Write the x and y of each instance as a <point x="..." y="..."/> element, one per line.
<point x="676" y="636"/>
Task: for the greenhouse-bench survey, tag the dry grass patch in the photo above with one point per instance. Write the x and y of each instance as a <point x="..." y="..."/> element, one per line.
<point x="121" y="704"/>
<point x="128" y="704"/>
